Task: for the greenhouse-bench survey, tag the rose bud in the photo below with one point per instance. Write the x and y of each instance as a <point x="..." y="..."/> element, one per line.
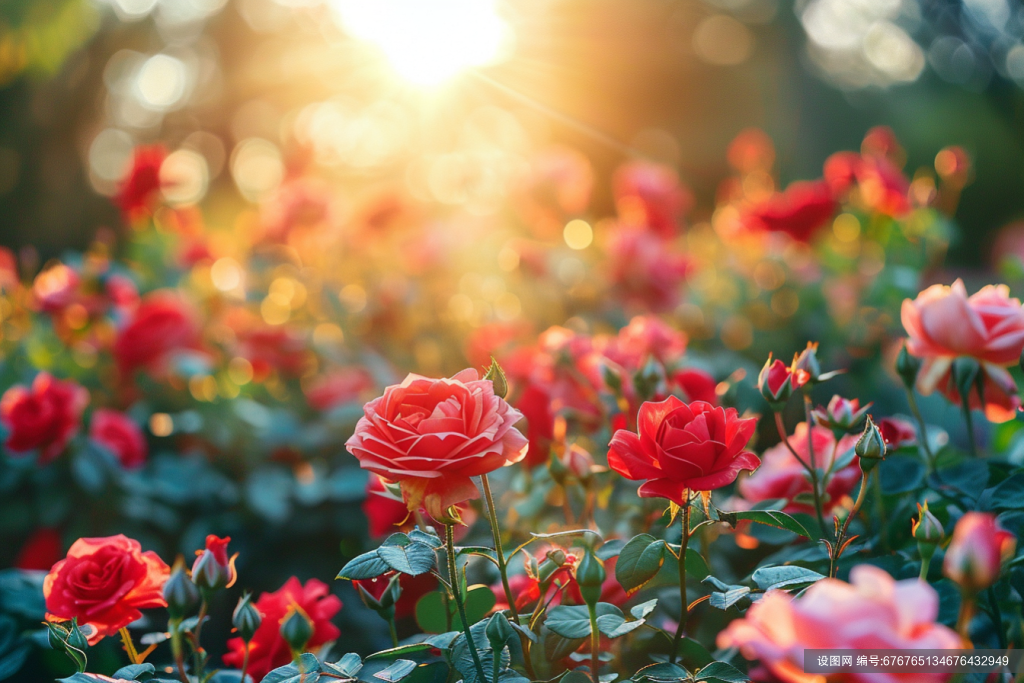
<point x="552" y="562"/>
<point x="927" y="529"/>
<point x="777" y="382"/>
<point x="807" y="362"/>
<point x="296" y="629"/>
<point x="870" y="447"/>
<point x="498" y="631"/>
<point x="907" y="366"/>
<point x="975" y="555"/>
<point x="213" y="569"/>
<point x="590" y="576"/>
<point x="380" y="593"/>
<point x="66" y="637"/>
<point x="841" y="415"/>
<point x="181" y="594"/>
<point x="246" y="618"/>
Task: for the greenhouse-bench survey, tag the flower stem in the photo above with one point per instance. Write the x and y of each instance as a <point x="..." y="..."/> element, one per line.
<point x="965" y="405"/>
<point x="393" y="631"/>
<point x="922" y="430"/>
<point x="963" y="620"/>
<point x="245" y="663"/>
<point x="861" y="495"/>
<point x="683" y="609"/>
<point x="492" y="516"/>
<point x="926" y="563"/>
<point x="197" y="650"/>
<point x="129" y="646"/>
<point x="595" y="645"/>
<point x="453" y="578"/>
<point x="818" y="509"/>
<point x="177" y="651"/>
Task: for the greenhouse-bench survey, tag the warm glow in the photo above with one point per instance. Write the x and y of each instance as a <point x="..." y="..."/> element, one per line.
<point x="429" y="41"/>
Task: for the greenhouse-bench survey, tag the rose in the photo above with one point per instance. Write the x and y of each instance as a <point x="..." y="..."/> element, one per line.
<point x="386" y="515"/>
<point x="782" y="476"/>
<point x="800" y="211"/>
<point x="433" y="435"/>
<point x="43" y="417"/>
<point x="120" y="435"/>
<point x="646" y="337"/>
<point x="975" y="555"/>
<point x="337" y="388"/>
<point x="213" y="569"/>
<point x="682" y="447"/>
<point x="943" y="323"/>
<point x="267" y="649"/>
<point x="696" y="385"/>
<point x="873" y="611"/>
<point x="139" y="189"/>
<point x="897" y="433"/>
<point x="104" y="582"/>
<point x="650" y="195"/>
<point x="644" y="269"/>
<point x="161" y="326"/>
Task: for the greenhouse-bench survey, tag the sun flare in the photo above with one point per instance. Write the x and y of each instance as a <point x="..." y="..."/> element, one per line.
<point x="428" y="42"/>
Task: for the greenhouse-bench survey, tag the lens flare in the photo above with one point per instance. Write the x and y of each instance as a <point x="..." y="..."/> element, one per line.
<point x="428" y="42"/>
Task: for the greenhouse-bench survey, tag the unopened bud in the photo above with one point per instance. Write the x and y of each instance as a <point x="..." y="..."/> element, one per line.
<point x="870" y="447"/>
<point x="213" y="569"/>
<point x="246" y="618"/>
<point x="67" y="637"/>
<point x="927" y="530"/>
<point x="498" y="631"/>
<point x="296" y="629"/>
<point x="182" y="596"/>
<point x="775" y="383"/>
<point x="807" y="362"/>
<point x="590" y="576"/>
<point x="552" y="562"/>
<point x="907" y="366"/>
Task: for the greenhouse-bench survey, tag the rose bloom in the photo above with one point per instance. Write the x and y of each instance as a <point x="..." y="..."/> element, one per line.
<point x="650" y="195"/>
<point x="104" y="582"/>
<point x="800" y="211"/>
<point x="645" y="269"/>
<point x="267" y="649"/>
<point x="695" y="385"/>
<point x="881" y="186"/>
<point x="433" y="435"/>
<point x="120" y="435"/>
<point x="140" y="188"/>
<point x="943" y="323"/>
<point x="161" y="326"/>
<point x="782" y="476"/>
<point x="897" y="433"/>
<point x="42" y="417"/>
<point x="646" y="336"/>
<point x="976" y="553"/>
<point x="873" y="611"/>
<point x="386" y="515"/>
<point x="680" y="447"/>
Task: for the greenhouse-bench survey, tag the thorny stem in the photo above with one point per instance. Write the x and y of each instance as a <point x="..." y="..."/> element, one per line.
<point x="453" y="578"/>
<point x="492" y="515"/>
<point x="129" y="646"/>
<point x="810" y="470"/>
<point x="683" y="610"/>
<point x="834" y="563"/>
<point x="197" y="650"/>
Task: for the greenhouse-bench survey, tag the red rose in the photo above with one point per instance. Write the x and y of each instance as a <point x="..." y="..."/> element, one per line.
<point x="646" y="336"/>
<point x="696" y="385"/>
<point x="104" y="582"/>
<point x="274" y="348"/>
<point x="896" y="432"/>
<point x="161" y="326"/>
<point x="138" y="191"/>
<point x="645" y="269"/>
<point x="386" y="515"/>
<point x="433" y="435"/>
<point x="799" y="212"/>
<point x="267" y="649"/>
<point x="119" y="434"/>
<point x="42" y="417"/>
<point x="42" y="549"/>
<point x="682" y="447"/>
<point x="213" y="569"/>
<point x="650" y="195"/>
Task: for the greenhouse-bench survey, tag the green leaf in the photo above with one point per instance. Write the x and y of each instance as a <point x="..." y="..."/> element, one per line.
<point x="522" y="628"/>
<point x="610" y="549"/>
<point x="901" y="474"/>
<point x="575" y="677"/>
<point x="366" y="566"/>
<point x="13" y="648"/>
<point x="397" y="671"/>
<point x="1009" y="494"/>
<point x="787" y="576"/>
<point x="430" y="609"/>
<point x="134" y="672"/>
<point x="556" y="647"/>
<point x="395" y="652"/>
<point x="571" y="532"/>
<point x="775" y="518"/>
<point x="614" y="624"/>
<point x="442" y="641"/>
<point x="413" y="559"/>
<point x="639" y="562"/>
<point x="349" y="665"/>
<point x="420" y="536"/>
<point x="569" y="621"/>
<point x="721" y="672"/>
<point x="727" y="599"/>
<point x="306" y="670"/>
<point x="643" y="609"/>
<point x="661" y="673"/>
<point x="696" y="566"/>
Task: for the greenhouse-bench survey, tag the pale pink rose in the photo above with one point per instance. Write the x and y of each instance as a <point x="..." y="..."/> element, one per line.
<point x="782" y="476"/>
<point x="873" y="611"/>
<point x="943" y="323"/>
<point x="976" y="553"/>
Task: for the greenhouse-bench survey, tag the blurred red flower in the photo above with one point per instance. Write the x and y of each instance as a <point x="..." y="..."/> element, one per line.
<point x="138" y="192"/>
<point x="267" y="649"/>
<point x="645" y="269"/>
<point x="42" y="417"/>
<point x="650" y="195"/>
<point x="119" y="434"/>
<point x="104" y="582"/>
<point x="41" y="551"/>
<point x="161" y="326"/>
<point x="338" y="387"/>
<point x="799" y="211"/>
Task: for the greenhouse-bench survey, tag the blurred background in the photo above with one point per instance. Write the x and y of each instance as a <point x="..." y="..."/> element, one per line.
<point x="229" y="84"/>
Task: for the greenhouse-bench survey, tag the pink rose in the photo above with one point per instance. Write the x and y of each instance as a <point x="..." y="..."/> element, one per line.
<point x="976" y="553"/>
<point x="943" y="323"/>
<point x="650" y="195"/>
<point x="873" y="611"/>
<point x="433" y="435"/>
<point x="782" y="476"/>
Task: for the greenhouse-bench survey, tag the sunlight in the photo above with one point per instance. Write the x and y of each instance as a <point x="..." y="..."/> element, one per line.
<point x="429" y="42"/>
